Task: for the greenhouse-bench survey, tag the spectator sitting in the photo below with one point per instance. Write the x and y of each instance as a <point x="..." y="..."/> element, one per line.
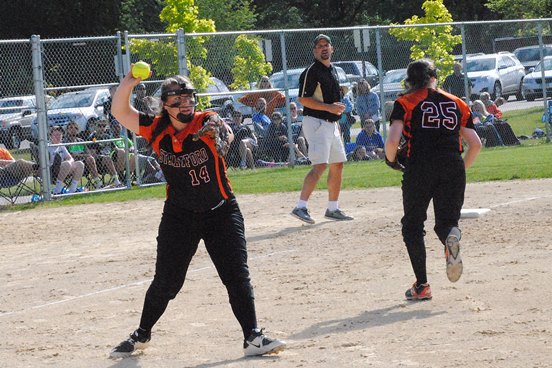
<point x="140" y="101"/>
<point x="359" y="154"/>
<point x="80" y="153"/>
<point x="227" y="110"/>
<point x="276" y="144"/>
<point x="149" y="168"/>
<point x="260" y="119"/>
<point x="107" y="104"/>
<point x="103" y="151"/>
<point x="504" y="129"/>
<point x="491" y="107"/>
<point x="347" y="120"/>
<point x="297" y="129"/>
<point x="295" y="113"/>
<point x="500" y="101"/>
<point x="371" y="139"/>
<point x="242" y="148"/>
<point x="67" y="165"/>
<point x="367" y="104"/>
<point x="12" y="170"/>
<point x="483" y="122"/>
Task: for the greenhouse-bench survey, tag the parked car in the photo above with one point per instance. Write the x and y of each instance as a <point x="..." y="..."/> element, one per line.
<point x="218" y="101"/>
<point x="218" y="86"/>
<point x="532" y="83"/>
<point x="16" y="115"/>
<point x="354" y="70"/>
<point x="529" y="56"/>
<point x="83" y="107"/>
<point x="499" y="74"/>
<point x="392" y="84"/>
<point x="277" y="80"/>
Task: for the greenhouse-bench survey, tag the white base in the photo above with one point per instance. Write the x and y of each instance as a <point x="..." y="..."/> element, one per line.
<point x="473" y="212"/>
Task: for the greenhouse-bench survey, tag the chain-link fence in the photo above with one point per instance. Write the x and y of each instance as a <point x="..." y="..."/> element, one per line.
<point x="250" y="78"/>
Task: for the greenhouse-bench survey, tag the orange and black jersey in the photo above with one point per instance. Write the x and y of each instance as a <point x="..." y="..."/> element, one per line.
<point x="195" y="173"/>
<point x="432" y="120"/>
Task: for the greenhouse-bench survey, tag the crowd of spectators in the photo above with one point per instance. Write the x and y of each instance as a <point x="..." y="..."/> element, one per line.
<point x="100" y="159"/>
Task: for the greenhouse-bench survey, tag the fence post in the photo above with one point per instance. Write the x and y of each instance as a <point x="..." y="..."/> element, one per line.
<point x="125" y="63"/>
<point x="42" y="117"/>
<point x="181" y="50"/>
<point x="543" y="84"/>
<point x="291" y="157"/>
<point x="464" y="63"/>
<point x="382" y="96"/>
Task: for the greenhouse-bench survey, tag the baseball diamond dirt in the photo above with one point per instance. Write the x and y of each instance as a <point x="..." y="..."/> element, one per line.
<point x="73" y="281"/>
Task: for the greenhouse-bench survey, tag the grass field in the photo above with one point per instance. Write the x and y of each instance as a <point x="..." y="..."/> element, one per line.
<point x="531" y="160"/>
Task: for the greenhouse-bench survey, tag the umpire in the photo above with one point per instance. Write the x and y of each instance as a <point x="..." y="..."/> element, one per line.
<point x="434" y="123"/>
<point x="320" y="94"/>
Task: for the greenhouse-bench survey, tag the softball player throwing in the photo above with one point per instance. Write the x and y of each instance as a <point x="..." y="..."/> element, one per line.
<point x="433" y="123"/>
<point x="199" y="205"/>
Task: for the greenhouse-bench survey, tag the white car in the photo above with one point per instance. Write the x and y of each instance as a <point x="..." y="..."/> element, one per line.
<point x="83" y="107"/>
<point x="532" y="83"/>
<point x="16" y="115"/>
<point x="392" y="84"/>
<point x="529" y="56"/>
<point x="353" y="68"/>
<point x="218" y="102"/>
<point x="277" y="80"/>
<point x="499" y="74"/>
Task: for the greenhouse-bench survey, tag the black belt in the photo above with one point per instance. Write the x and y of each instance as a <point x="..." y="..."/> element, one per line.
<point x="326" y="120"/>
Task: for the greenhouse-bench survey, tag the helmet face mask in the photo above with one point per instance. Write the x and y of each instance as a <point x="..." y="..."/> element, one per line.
<point x="185" y="101"/>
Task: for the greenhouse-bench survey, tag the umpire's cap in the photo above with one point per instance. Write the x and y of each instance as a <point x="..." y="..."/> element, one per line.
<point x="322" y="37"/>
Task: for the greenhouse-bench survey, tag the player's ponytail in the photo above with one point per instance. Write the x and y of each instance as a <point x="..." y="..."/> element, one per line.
<point x="419" y="74"/>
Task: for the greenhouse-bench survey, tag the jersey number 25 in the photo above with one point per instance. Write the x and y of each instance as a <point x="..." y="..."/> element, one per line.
<point x="437" y="114"/>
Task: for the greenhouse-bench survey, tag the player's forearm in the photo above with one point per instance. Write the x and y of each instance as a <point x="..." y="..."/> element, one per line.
<point x="470" y="155"/>
<point x="391" y="148"/>
<point x="121" y="108"/>
<point x="393" y="140"/>
<point x="314" y="104"/>
<point x="474" y="145"/>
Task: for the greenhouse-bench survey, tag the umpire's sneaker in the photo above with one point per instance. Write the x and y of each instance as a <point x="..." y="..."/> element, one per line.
<point x="452" y="254"/>
<point x="138" y="340"/>
<point x="302" y="214"/>
<point x="259" y="344"/>
<point x="337" y="215"/>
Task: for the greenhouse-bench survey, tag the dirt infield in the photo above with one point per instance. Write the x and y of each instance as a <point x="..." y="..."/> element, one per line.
<point x="73" y="281"/>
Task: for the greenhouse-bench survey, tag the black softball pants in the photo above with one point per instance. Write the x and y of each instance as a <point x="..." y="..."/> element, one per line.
<point x="223" y="233"/>
<point x="444" y="181"/>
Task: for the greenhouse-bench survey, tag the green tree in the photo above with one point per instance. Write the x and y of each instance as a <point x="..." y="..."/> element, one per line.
<point x="435" y="42"/>
<point x="527" y="9"/>
<point x="230" y="15"/>
<point x="249" y="62"/>
<point x="163" y="55"/>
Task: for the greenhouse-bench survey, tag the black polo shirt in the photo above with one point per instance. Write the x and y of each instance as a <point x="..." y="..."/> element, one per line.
<point x="321" y="83"/>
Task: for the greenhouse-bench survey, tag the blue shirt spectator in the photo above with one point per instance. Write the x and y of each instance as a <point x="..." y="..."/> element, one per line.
<point x="369" y="138"/>
<point x="260" y="120"/>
